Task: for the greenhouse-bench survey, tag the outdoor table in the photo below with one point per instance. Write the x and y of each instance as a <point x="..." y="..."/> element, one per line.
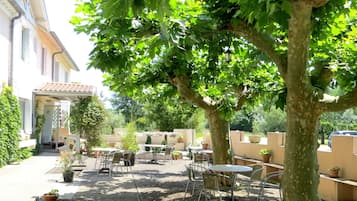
<point x="154" y="153"/>
<point x="231" y="169"/>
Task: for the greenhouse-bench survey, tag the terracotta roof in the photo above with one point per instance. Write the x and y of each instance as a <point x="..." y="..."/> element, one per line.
<point x="63" y="89"/>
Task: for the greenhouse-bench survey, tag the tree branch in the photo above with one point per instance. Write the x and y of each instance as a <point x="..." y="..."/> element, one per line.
<point x="263" y="42"/>
<point x="338" y="103"/>
<point x="184" y="90"/>
<point x="242" y="95"/>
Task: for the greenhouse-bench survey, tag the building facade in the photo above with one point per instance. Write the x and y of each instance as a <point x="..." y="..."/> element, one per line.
<point x="35" y="63"/>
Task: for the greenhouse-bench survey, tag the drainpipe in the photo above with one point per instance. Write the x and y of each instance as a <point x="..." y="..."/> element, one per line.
<point x="11" y="63"/>
<point x="53" y="63"/>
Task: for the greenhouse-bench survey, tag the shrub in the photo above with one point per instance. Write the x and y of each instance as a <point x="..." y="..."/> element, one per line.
<point x="10" y="124"/>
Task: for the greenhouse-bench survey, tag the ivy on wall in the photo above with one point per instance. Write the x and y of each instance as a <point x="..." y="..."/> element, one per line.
<point x="10" y="124"/>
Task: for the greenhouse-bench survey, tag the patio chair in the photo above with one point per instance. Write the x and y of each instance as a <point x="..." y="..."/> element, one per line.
<point x="105" y="161"/>
<point x="116" y="162"/>
<point x="167" y="154"/>
<point x="194" y="173"/>
<point x="215" y="183"/>
<point x="271" y="181"/>
<point x="247" y="180"/>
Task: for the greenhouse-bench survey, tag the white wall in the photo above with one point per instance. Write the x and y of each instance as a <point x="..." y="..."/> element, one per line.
<point x="4" y="46"/>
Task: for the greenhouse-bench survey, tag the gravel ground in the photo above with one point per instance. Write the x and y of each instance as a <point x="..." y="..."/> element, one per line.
<point x="145" y="182"/>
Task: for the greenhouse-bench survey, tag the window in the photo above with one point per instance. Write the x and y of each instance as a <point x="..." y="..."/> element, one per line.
<point x="25" y="44"/>
<point x="43" y="60"/>
<point x="23" y="113"/>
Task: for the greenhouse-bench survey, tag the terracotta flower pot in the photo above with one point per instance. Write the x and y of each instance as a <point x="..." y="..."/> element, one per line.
<point x="333" y="173"/>
<point x="266" y="158"/>
<point x="49" y="197"/>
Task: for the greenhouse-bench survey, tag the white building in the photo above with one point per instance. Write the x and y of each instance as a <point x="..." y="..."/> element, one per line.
<point x="38" y="67"/>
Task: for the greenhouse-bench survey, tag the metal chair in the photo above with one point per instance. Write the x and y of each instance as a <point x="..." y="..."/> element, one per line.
<point x="116" y="162"/>
<point x="215" y="183"/>
<point x="104" y="164"/>
<point x="271" y="180"/>
<point x="194" y="173"/>
<point x="250" y="179"/>
<point x="167" y="153"/>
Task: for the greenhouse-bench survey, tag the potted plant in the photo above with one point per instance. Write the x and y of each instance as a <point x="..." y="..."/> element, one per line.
<point x="176" y="155"/>
<point x="180" y="139"/>
<point x="51" y="196"/>
<point x="333" y="172"/>
<point x="66" y="162"/>
<point x="266" y="154"/>
<point x="255" y="138"/>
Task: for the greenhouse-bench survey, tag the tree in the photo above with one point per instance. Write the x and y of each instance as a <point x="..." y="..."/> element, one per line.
<point x="87" y="118"/>
<point x="270" y="120"/>
<point x="168" y="113"/>
<point x="112" y="120"/>
<point x="130" y="108"/>
<point x="144" y="51"/>
<point x="313" y="45"/>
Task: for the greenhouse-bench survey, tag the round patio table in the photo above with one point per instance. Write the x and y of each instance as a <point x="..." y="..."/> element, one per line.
<point x="231" y="169"/>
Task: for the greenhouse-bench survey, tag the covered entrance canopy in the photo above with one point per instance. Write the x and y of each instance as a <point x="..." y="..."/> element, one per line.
<point x="65" y="90"/>
<point x="53" y="103"/>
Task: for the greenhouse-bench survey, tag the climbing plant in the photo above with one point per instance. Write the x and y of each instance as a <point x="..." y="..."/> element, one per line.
<point x="10" y="124"/>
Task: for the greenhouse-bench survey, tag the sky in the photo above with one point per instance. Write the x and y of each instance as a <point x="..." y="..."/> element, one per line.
<point x="59" y="13"/>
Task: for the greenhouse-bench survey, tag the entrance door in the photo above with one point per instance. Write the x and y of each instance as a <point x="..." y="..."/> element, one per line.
<point x="47" y="127"/>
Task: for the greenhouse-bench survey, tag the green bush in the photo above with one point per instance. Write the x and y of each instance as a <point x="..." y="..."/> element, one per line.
<point x="129" y="140"/>
<point x="10" y="124"/>
<point x="25" y="153"/>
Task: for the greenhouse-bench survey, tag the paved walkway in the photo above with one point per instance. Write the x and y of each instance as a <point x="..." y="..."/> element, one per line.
<point x="34" y="177"/>
<point x="145" y="182"/>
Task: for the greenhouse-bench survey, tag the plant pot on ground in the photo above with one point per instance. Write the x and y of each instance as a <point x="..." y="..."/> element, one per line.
<point x="266" y="154"/>
<point x="66" y="161"/>
<point x="176" y="155"/>
<point x="51" y="196"/>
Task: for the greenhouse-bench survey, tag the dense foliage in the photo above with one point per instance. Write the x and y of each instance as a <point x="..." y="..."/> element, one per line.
<point x="310" y="42"/>
<point x="130" y="108"/>
<point x="10" y="124"/>
<point x="129" y="139"/>
<point x="184" y="53"/>
<point x="113" y="120"/>
<point x="87" y="118"/>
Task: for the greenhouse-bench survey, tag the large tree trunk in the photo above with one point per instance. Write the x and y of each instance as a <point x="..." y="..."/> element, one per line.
<point x="301" y="175"/>
<point x="219" y="137"/>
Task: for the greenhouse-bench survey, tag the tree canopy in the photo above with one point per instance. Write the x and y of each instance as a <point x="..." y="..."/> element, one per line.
<point x="181" y="45"/>
<point x="183" y="52"/>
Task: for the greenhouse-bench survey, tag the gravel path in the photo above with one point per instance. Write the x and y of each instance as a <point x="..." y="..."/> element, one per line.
<point x="145" y="182"/>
